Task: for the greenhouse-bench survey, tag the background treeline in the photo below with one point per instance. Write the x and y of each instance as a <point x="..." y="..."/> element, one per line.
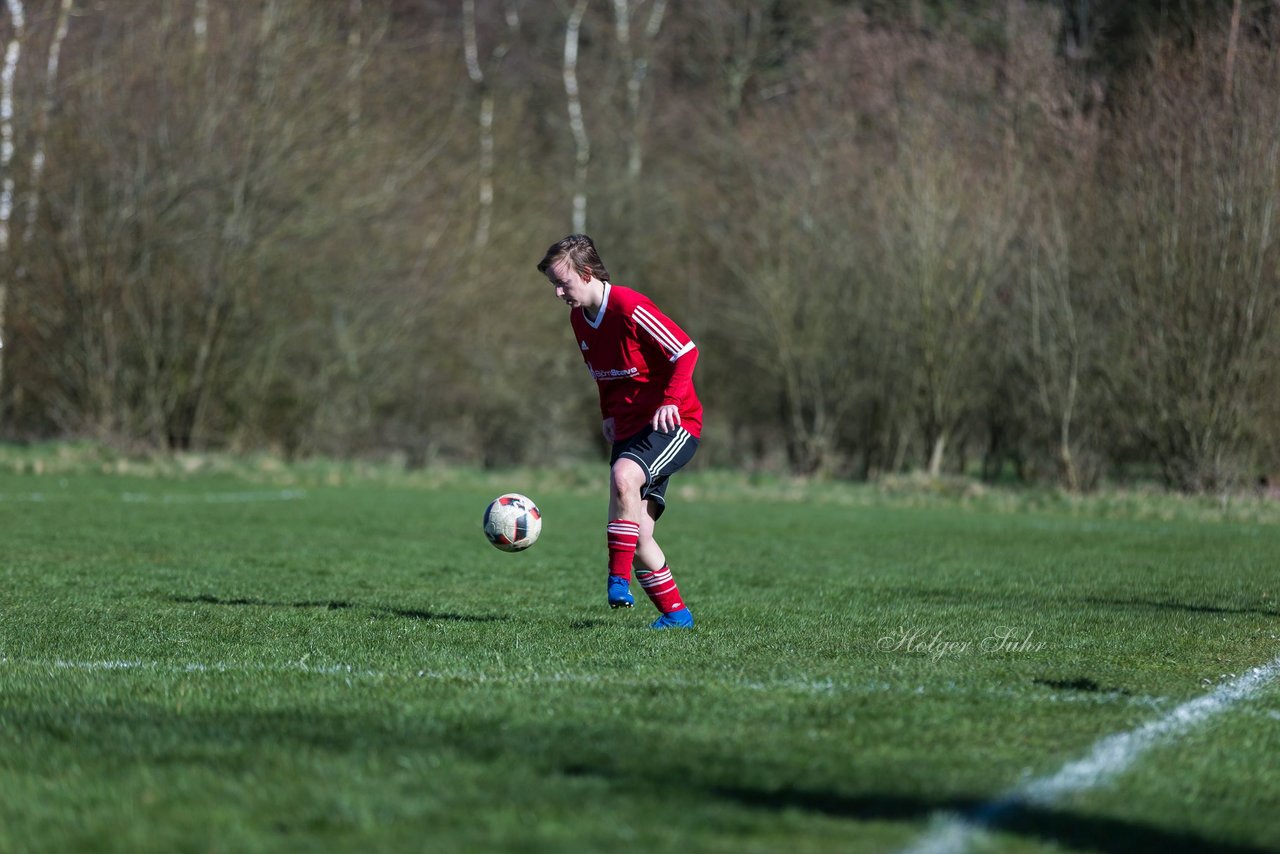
<point x="1022" y="236"/>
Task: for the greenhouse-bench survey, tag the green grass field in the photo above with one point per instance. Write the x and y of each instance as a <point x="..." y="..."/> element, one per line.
<point x="231" y="662"/>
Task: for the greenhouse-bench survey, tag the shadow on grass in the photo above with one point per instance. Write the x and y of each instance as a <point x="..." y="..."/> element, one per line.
<point x="1080" y="683"/>
<point x="148" y="733"/>
<point x="1182" y="606"/>
<point x="415" y="614"/>
<point x="1070" y="829"/>
<point x="335" y="605"/>
<point x="205" y="599"/>
<point x="588" y="624"/>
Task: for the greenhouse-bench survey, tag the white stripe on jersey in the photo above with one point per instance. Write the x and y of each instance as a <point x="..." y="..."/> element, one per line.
<point x="660" y="333"/>
<point x="685" y="349"/>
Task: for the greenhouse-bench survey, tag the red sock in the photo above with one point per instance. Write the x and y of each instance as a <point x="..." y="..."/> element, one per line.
<point x="622" y="536"/>
<point x="661" y="588"/>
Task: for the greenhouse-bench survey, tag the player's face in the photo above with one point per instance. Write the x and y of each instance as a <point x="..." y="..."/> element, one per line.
<point x="571" y="286"/>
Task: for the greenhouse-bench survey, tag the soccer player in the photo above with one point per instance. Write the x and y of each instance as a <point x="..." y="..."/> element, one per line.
<point x="643" y="364"/>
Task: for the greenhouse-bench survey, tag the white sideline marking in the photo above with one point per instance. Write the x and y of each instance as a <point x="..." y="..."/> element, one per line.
<point x="212" y="497"/>
<point x="172" y="497"/>
<point x="802" y="686"/>
<point x="1109" y="757"/>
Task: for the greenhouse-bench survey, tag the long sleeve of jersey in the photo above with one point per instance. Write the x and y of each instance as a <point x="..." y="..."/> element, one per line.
<point x="681" y="382"/>
<point x="675" y="345"/>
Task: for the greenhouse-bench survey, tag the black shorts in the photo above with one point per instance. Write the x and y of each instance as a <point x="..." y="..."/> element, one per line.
<point x="660" y="455"/>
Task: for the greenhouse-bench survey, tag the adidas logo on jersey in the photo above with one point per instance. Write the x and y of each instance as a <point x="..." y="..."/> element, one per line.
<point x="584" y="346"/>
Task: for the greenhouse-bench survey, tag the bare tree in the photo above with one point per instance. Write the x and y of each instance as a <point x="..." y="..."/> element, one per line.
<point x="946" y="228"/>
<point x="482" y="84"/>
<point x="801" y="313"/>
<point x="1233" y="41"/>
<point x="12" y="52"/>
<point x="739" y="42"/>
<point x="358" y="59"/>
<point x="1198" y="277"/>
<point x="581" y="142"/>
<point x="1056" y="345"/>
<point x="42" y="118"/>
<point x="636" y="59"/>
<point x="200" y="27"/>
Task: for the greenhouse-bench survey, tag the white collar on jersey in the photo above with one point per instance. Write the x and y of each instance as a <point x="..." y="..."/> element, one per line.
<point x="604" y="302"/>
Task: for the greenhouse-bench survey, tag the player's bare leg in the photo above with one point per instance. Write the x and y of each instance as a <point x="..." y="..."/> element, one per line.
<point x="648" y="552"/>
<point x="625" y="482"/>
<point x="655" y="576"/>
<point x="626" y="509"/>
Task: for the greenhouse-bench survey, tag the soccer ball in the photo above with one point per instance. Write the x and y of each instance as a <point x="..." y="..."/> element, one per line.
<point x="512" y="522"/>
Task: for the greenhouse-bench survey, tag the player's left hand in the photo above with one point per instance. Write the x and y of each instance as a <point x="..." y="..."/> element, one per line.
<point x="666" y="419"/>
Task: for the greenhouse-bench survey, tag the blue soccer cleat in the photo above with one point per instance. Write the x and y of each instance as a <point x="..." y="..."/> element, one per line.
<point x="681" y="619"/>
<point x="620" y="592"/>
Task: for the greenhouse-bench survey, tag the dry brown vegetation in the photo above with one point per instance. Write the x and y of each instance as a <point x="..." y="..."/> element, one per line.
<point x="1023" y="237"/>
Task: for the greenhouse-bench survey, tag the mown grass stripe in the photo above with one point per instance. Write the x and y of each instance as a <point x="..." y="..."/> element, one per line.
<point x="802" y="686"/>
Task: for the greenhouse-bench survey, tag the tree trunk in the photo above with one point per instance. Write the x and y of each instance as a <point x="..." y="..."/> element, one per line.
<point x="471" y="53"/>
<point x="357" y="61"/>
<point x="1232" y="41"/>
<point x="200" y="26"/>
<point x="582" y="144"/>
<point x="11" y="54"/>
<point x="637" y="66"/>
<point x="936" y="455"/>
<point x="42" y="119"/>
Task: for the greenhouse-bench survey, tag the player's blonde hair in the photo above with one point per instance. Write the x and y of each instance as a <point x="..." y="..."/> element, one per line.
<point x="582" y="254"/>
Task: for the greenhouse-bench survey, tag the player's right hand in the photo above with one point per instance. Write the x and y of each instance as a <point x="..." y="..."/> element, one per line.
<point x="607" y="429"/>
<point x="666" y="419"/>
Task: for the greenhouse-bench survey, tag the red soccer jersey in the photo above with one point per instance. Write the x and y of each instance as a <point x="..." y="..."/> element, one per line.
<point x="640" y="359"/>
